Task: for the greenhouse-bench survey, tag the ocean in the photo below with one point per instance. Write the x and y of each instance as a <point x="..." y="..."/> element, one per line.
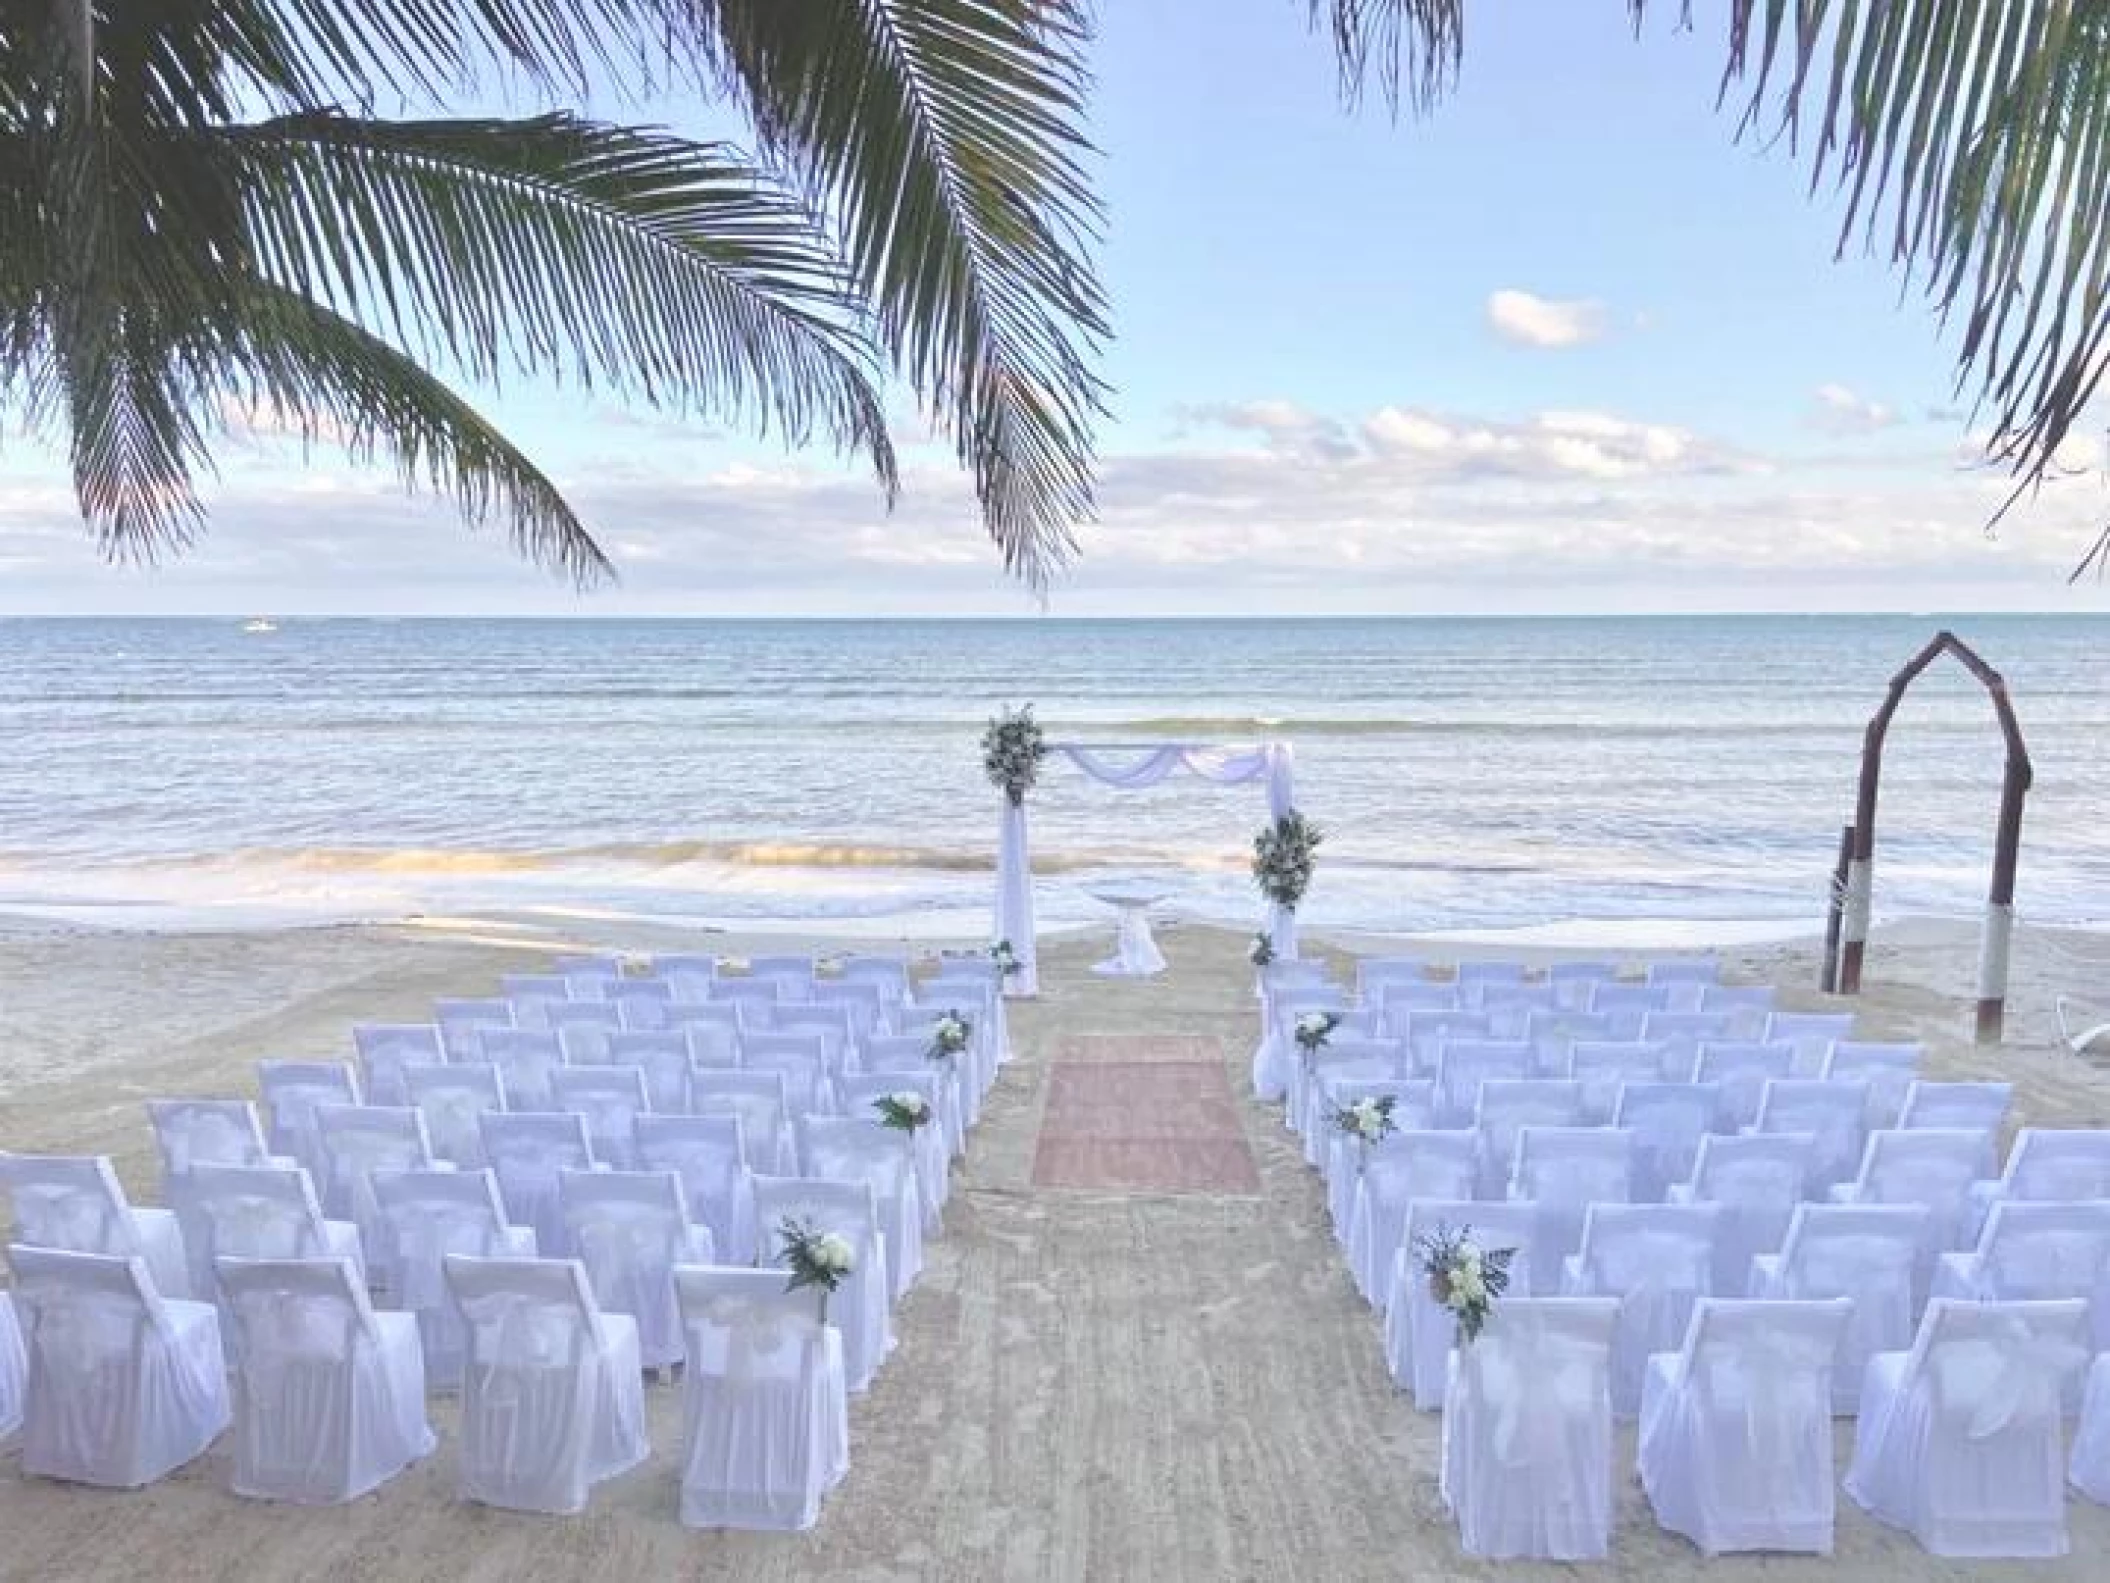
<point x="1470" y="775"/>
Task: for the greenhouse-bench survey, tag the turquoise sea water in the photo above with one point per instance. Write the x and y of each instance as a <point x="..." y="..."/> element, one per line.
<point x="1469" y="773"/>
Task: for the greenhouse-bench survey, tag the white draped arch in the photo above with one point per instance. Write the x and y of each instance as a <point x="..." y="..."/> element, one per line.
<point x="1128" y="766"/>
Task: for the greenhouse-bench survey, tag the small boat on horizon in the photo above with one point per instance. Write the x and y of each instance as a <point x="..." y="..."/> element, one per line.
<point x="260" y="624"/>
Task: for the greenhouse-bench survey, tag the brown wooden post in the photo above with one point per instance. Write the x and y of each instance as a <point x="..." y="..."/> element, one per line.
<point x="1828" y="980"/>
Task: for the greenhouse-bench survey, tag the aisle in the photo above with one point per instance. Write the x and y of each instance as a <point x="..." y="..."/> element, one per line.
<point x="1148" y="1113"/>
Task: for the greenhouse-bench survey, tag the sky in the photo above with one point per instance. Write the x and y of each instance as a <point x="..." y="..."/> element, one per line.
<point x="1564" y="346"/>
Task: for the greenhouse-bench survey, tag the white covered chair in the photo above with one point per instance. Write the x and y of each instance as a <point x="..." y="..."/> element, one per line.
<point x="1735" y="1448"/>
<point x="793" y="973"/>
<point x="2037" y="1251"/>
<point x="1412" y="1164"/>
<point x="385" y="1048"/>
<point x="1703" y="971"/>
<point x="358" y="1140"/>
<point x="689" y="974"/>
<point x="1345" y="1157"/>
<point x="14" y="1369"/>
<point x="1339" y="1060"/>
<point x="864" y="1149"/>
<point x="330" y="1398"/>
<point x="757" y="1098"/>
<point x="861" y="1093"/>
<point x="1977" y="1107"/>
<point x="1603" y="1067"/>
<point x="73" y="1202"/>
<point x="1561" y="1172"/>
<point x="871" y="1004"/>
<point x="630" y="1228"/>
<point x="264" y="1212"/>
<point x="1758" y="1180"/>
<point x="527" y="1151"/>
<point x="451" y="1098"/>
<point x="194" y="1132"/>
<point x="1749" y="1005"/>
<point x="1811" y="1033"/>
<point x="1679" y="1035"/>
<point x="662" y="1055"/>
<point x="708" y="1154"/>
<point x="641" y="1003"/>
<point x="1427" y="1032"/>
<point x="1741" y="1069"/>
<point x="1506" y="1107"/>
<point x="123" y="1385"/>
<point x="527" y="1059"/>
<point x="532" y="994"/>
<point x="862" y="1304"/>
<point x="1462" y="1065"/>
<point x="290" y="1092"/>
<point x="611" y="1098"/>
<point x="1668" y="1120"/>
<point x="1573" y="981"/>
<point x="2050" y="1165"/>
<point x="1628" y="1005"/>
<point x="1473" y="978"/>
<point x="1833" y="1114"/>
<point x="1527" y="1432"/>
<point x="2090" y="1471"/>
<point x="1887" y="1069"/>
<point x="1419" y="1331"/>
<point x="1376" y="977"/>
<point x="1865" y="1254"/>
<point x="553" y="1397"/>
<point x="710" y="1029"/>
<point x="1960" y="1440"/>
<point x="584" y="1029"/>
<point x="802" y="1059"/>
<point x="1936" y="1168"/>
<point x="1658" y="1260"/>
<point x="747" y="991"/>
<point x="463" y="1022"/>
<point x="765" y="1407"/>
<point x="838" y="1025"/>
<point x="1553" y="1034"/>
<point x="907" y="1055"/>
<point x="429" y="1215"/>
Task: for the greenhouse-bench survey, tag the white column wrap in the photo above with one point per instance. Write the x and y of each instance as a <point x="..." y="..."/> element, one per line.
<point x="1993" y="947"/>
<point x="1860" y="893"/>
<point x="1014" y="898"/>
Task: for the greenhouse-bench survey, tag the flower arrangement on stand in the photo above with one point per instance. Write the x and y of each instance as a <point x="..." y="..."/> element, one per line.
<point x="1368" y="1121"/>
<point x="1313" y="1029"/>
<point x="906" y="1111"/>
<point x="819" y="1259"/>
<point x="949" y="1036"/>
<point x="1283" y="855"/>
<point x="1007" y="963"/>
<point x="1262" y="951"/>
<point x="1012" y="748"/>
<point x="1463" y="1277"/>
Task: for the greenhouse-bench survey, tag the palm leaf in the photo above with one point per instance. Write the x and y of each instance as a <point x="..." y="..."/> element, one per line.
<point x="946" y="135"/>
<point x="1968" y="143"/>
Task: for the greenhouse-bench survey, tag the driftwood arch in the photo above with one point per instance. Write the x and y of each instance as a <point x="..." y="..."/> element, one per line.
<point x="1857" y="891"/>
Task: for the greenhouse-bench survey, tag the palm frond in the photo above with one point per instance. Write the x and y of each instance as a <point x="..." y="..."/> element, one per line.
<point x="946" y="135"/>
<point x="1970" y="144"/>
<point x="658" y="268"/>
<point x="320" y="375"/>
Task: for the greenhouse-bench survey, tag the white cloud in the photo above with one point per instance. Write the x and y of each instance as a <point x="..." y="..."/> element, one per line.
<point x="1840" y="410"/>
<point x="1530" y="320"/>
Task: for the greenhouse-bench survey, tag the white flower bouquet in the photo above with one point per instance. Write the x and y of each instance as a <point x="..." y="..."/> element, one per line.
<point x="819" y="1259"/>
<point x="1006" y="959"/>
<point x="1313" y="1029"/>
<point x="1368" y="1120"/>
<point x="949" y="1036"/>
<point x="1283" y="854"/>
<point x="904" y="1112"/>
<point x="1262" y="951"/>
<point x="1012" y="748"/>
<point x="1464" y="1277"/>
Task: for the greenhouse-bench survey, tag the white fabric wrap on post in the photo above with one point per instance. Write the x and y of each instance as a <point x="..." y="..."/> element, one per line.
<point x="1993" y="948"/>
<point x="1133" y="767"/>
<point x="1860" y="894"/>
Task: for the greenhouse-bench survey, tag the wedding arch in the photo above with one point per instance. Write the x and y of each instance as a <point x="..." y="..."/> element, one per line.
<point x="1129" y="766"/>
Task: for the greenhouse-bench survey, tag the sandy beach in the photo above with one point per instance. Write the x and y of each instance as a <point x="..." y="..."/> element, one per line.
<point x="1089" y="1384"/>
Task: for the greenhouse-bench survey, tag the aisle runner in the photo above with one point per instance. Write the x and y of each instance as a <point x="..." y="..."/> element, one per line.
<point x="1147" y="1112"/>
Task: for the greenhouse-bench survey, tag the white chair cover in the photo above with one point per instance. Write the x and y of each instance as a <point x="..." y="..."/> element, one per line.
<point x="1864" y="1254"/>
<point x="1834" y="1114"/>
<point x="710" y="1157"/>
<point x="1736" y="1426"/>
<point x="793" y="973"/>
<point x="1553" y="1035"/>
<point x="463" y="1023"/>
<point x="629" y="1229"/>
<point x="765" y="1404"/>
<point x="1561" y="1172"/>
<point x="358" y="1140"/>
<point x="2091" y="1441"/>
<point x="861" y="1092"/>
<point x="899" y="1056"/>
<point x="1811" y="1033"/>
<point x="1340" y="1060"/>
<point x="532" y="994"/>
<point x="2050" y="1165"/>
<point x="431" y="1214"/>
<point x="1757" y="1180"/>
<point x="1394" y="999"/>
<point x="528" y="1060"/>
<point x="1427" y="1032"/>
<point x="1462" y="1065"/>
<point x="123" y="1385"/>
<point x="1748" y="1005"/>
<point x="193" y="1132"/>
<point x="870" y="1003"/>
<point x="73" y="1203"/>
<point x="1959" y="1440"/>
<point x="1412" y="1164"/>
<point x="1507" y="1106"/>
<point x="864" y="1149"/>
<point x="1603" y="1068"/>
<point x="1887" y="1069"/>
<point x="1679" y="1034"/>
<point x="1702" y="970"/>
<point x="689" y="974"/>
<point x="1933" y="1167"/>
<point x="331" y="1398"/>
<point x="385" y="1048"/>
<point x="1741" y="1070"/>
<point x="264" y="1212"/>
<point x="1527" y="1434"/>
<point x="1287" y="991"/>
<point x="1474" y="978"/>
<point x="1376" y="977"/>
<point x="527" y="1151"/>
<point x="1346" y="1157"/>
<point x="1419" y="1331"/>
<point x="802" y="1058"/>
<point x="585" y="1030"/>
<point x="451" y="1098"/>
<point x="1573" y="981"/>
<point x="661" y="1055"/>
<point x="758" y="1099"/>
<point x="640" y="1003"/>
<point x="1971" y="1107"/>
<point x="1668" y="1120"/>
<point x="553" y="1400"/>
<point x="14" y="1369"/>
<point x="610" y="1098"/>
<point x="2037" y="1251"/>
<point x="1510" y="1007"/>
<point x="1658" y="1260"/>
<point x="1628" y="1005"/>
<point x="861" y="1306"/>
<point x="290" y="1092"/>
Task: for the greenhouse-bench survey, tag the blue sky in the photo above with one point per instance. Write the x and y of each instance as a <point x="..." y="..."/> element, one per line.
<point x="1563" y="346"/>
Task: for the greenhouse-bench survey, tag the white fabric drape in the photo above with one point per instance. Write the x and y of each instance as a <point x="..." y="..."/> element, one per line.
<point x="1129" y="767"/>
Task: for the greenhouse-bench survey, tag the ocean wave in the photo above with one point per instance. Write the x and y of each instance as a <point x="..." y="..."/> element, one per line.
<point x="648" y="854"/>
<point x="1247" y="726"/>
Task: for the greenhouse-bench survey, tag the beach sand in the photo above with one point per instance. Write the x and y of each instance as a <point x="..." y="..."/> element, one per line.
<point x="1097" y="1384"/>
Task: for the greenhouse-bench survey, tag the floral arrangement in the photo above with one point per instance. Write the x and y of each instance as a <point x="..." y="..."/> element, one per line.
<point x="904" y="1112"/>
<point x="1282" y="858"/>
<point x="1006" y="959"/>
<point x="1012" y="749"/>
<point x="949" y="1036"/>
<point x="1262" y="951"/>
<point x="1464" y="1277"/>
<point x="1313" y="1029"/>
<point x="820" y="1259"/>
<point x="1368" y="1120"/>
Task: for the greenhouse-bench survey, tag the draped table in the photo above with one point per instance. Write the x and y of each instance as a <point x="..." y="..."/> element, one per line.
<point x="1136" y="953"/>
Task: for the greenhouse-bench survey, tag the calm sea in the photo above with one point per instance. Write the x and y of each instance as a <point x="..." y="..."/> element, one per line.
<point x="1470" y="774"/>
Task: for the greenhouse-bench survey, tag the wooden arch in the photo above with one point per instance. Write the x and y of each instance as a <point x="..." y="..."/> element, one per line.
<point x="1859" y="886"/>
